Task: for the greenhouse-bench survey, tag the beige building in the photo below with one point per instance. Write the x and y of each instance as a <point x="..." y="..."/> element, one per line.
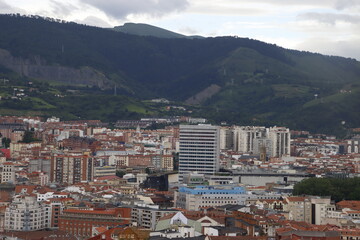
<point x="320" y="210"/>
<point x="299" y="208"/>
<point x="18" y="149"/>
<point x="104" y="171"/>
<point x="313" y="210"/>
<point x="167" y="162"/>
<point x="7" y="171"/>
<point x="25" y="214"/>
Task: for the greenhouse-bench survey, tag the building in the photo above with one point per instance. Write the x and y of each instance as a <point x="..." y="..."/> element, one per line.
<point x="245" y="136"/>
<point x="71" y="169"/>
<point x="299" y="208"/>
<point x="7" y="170"/>
<point x="353" y="145"/>
<point x="81" y="222"/>
<point x="274" y="141"/>
<point x="38" y="178"/>
<point x="193" y="199"/>
<point x="162" y="162"/>
<point x="280" y="138"/>
<point x="147" y="216"/>
<point x="167" y="162"/>
<point x="54" y="208"/>
<point x="199" y="149"/>
<point x="104" y="171"/>
<point x="25" y="214"/>
<point x="226" y="138"/>
<point x="319" y="209"/>
<point x="42" y="165"/>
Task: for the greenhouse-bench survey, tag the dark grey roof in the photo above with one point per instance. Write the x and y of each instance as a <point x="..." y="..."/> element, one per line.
<point x="312" y="233"/>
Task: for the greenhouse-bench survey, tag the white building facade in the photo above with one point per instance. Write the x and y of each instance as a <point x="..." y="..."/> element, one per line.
<point x="199" y="149"/>
<point x="25" y="213"/>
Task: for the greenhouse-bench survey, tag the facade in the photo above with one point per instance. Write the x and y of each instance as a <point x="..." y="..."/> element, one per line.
<point x="71" y="169"/>
<point x="147" y="216"/>
<point x="319" y="210"/>
<point x="7" y="170"/>
<point x="162" y="162"/>
<point x="226" y="138"/>
<point x="280" y="138"/>
<point x="81" y="222"/>
<point x="167" y="162"/>
<point x="222" y="179"/>
<point x="25" y="214"/>
<point x="104" y="171"/>
<point x="43" y="165"/>
<point x="299" y="209"/>
<point x="53" y="210"/>
<point x="204" y="196"/>
<point x="199" y="149"/>
<point x="274" y="141"/>
<point x="244" y="138"/>
<point x="353" y="145"/>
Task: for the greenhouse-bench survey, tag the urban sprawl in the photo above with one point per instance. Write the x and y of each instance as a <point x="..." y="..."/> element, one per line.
<point x="88" y="180"/>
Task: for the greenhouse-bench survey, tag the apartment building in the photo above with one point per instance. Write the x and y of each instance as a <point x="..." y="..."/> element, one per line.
<point x="147" y="216"/>
<point x="7" y="171"/>
<point x="25" y="214"/>
<point x="71" y="169"/>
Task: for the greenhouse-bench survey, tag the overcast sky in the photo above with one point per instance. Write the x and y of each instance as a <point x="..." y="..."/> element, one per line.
<point x="327" y="26"/>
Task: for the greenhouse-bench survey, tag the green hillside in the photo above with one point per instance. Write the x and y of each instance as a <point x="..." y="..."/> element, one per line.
<point x="258" y="83"/>
<point x="141" y="29"/>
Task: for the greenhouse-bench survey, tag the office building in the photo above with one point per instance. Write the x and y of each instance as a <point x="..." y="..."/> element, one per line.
<point x="193" y="199"/>
<point x="199" y="149"/>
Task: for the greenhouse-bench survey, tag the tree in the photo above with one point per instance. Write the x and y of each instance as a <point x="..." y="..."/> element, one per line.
<point x="338" y="189"/>
<point x="28" y="137"/>
<point x="6" y="142"/>
<point x="120" y="173"/>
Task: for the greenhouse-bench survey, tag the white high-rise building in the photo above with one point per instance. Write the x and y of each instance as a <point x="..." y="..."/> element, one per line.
<point x="226" y="138"/>
<point x="280" y="138"/>
<point x="244" y="137"/>
<point x="199" y="149"/>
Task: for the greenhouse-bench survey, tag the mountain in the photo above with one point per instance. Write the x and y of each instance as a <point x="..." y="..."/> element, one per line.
<point x="238" y="80"/>
<point x="141" y="29"/>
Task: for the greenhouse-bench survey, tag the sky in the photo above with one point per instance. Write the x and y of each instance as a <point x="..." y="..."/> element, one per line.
<point x="330" y="27"/>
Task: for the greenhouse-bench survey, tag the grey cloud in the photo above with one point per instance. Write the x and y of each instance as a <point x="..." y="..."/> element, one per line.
<point x="346" y="48"/>
<point x="336" y="4"/>
<point x="62" y="9"/>
<point x="5" y="8"/>
<point x="122" y="8"/>
<point x="188" y="31"/>
<point x="94" y="21"/>
<point x="344" y="4"/>
<point x="330" y="18"/>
